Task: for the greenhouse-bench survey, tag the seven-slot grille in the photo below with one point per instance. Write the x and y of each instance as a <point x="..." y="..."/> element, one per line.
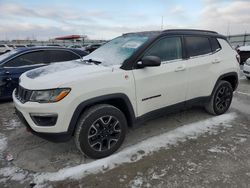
<point x="22" y="94"/>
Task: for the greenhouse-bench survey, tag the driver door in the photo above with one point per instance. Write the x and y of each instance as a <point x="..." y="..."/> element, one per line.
<point x="165" y="85"/>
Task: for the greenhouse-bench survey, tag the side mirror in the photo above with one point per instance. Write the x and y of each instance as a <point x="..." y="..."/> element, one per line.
<point x="149" y="61"/>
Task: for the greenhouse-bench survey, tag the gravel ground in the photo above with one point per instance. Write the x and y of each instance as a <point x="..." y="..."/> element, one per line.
<point x="215" y="158"/>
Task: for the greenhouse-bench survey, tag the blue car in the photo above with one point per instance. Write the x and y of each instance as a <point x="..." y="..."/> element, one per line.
<point x="20" y="60"/>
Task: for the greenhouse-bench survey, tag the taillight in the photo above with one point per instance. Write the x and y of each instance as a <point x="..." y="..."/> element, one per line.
<point x="238" y="58"/>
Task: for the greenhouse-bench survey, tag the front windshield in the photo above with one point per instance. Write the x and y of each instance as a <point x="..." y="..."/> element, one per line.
<point x="6" y="55"/>
<point x="117" y="50"/>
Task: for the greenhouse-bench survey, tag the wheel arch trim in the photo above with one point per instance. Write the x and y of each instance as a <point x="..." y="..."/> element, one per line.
<point x="97" y="100"/>
<point x="223" y="76"/>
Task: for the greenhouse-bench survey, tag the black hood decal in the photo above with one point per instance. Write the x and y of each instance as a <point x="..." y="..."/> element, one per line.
<point x="56" y="67"/>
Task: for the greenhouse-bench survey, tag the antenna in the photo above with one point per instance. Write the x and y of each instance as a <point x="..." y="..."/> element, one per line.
<point x="245" y="37"/>
<point x="228" y="29"/>
<point x="161" y="22"/>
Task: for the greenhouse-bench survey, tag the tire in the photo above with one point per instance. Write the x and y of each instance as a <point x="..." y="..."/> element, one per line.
<point x="100" y="131"/>
<point x="221" y="98"/>
<point x="248" y="78"/>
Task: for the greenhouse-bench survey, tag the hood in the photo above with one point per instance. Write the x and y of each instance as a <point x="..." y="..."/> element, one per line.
<point x="52" y="76"/>
<point x="244" y="48"/>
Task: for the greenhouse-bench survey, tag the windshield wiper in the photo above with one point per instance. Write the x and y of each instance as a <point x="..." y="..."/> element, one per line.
<point x="92" y="61"/>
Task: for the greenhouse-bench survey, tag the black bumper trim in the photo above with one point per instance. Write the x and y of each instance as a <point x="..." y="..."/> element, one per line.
<point x="53" y="137"/>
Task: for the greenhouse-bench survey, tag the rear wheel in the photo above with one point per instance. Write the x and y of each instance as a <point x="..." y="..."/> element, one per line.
<point x="248" y="78"/>
<point x="100" y="131"/>
<point x="221" y="98"/>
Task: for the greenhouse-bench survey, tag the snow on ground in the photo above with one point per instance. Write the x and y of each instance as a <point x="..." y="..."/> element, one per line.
<point x="3" y="144"/>
<point x="10" y="124"/>
<point x="136" y="182"/>
<point x="242" y="78"/>
<point x="142" y="180"/>
<point x="240" y="138"/>
<point x="243" y="93"/>
<point x="217" y="149"/>
<point x="137" y="151"/>
<point x="13" y="173"/>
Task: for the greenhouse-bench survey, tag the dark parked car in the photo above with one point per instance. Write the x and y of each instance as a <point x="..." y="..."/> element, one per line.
<point x="244" y="52"/>
<point x="18" y="61"/>
<point x="57" y="45"/>
<point x="92" y="47"/>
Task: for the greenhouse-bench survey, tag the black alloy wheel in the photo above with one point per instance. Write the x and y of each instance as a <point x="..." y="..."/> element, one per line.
<point x="223" y="98"/>
<point x="100" y="131"/>
<point x="104" y="133"/>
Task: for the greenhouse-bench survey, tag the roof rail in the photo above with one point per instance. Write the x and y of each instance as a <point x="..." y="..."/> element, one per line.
<point x="189" y="30"/>
<point x="143" y="32"/>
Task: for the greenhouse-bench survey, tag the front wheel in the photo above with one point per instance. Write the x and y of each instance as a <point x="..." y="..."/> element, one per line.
<point x="221" y="98"/>
<point x="100" y="131"/>
<point x="248" y="78"/>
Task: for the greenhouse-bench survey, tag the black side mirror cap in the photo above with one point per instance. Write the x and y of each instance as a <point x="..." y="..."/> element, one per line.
<point x="149" y="61"/>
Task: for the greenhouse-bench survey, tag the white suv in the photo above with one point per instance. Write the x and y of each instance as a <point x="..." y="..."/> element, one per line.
<point x="133" y="77"/>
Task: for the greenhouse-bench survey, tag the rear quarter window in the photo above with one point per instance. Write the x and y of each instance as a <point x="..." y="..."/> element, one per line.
<point x="197" y="46"/>
<point x="215" y="44"/>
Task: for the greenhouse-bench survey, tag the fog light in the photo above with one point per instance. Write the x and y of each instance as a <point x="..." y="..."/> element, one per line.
<point x="44" y="120"/>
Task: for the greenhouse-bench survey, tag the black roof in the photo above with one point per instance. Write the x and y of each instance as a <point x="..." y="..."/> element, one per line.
<point x="179" y="32"/>
<point x="145" y="33"/>
<point x="189" y="31"/>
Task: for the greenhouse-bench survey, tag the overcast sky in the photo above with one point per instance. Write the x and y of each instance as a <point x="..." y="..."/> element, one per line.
<point x="106" y="19"/>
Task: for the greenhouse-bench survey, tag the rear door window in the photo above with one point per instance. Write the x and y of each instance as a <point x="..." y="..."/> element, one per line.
<point x="197" y="46"/>
<point x="61" y="55"/>
<point x="215" y="44"/>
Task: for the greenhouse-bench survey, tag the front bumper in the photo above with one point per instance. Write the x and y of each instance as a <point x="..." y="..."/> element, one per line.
<point x="53" y="137"/>
<point x="56" y="132"/>
<point x="246" y="70"/>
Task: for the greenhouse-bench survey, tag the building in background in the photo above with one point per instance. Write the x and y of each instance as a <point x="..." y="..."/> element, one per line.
<point x="72" y="38"/>
<point x="69" y="40"/>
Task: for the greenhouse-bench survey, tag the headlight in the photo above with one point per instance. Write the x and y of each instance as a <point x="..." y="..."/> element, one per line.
<point x="49" y="96"/>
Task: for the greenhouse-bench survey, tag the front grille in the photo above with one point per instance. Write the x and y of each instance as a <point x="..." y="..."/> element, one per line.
<point x="22" y="94"/>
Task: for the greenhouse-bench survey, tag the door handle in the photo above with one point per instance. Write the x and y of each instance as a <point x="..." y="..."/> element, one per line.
<point x="7" y="72"/>
<point x="216" y="61"/>
<point x="180" y="68"/>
